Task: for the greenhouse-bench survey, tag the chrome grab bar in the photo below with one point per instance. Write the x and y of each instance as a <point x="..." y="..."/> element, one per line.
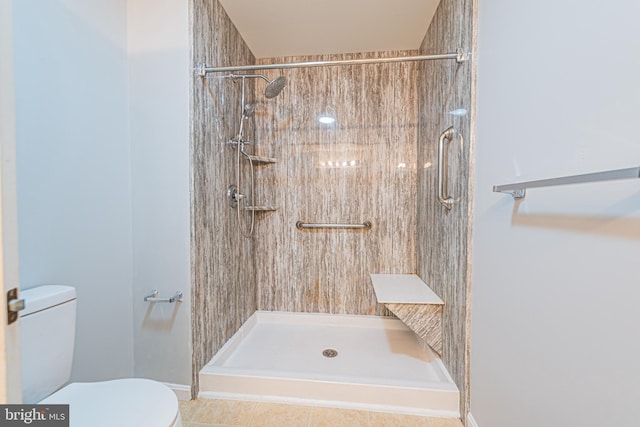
<point x="443" y="181"/>
<point x="365" y="225"/>
<point x="153" y="297"/>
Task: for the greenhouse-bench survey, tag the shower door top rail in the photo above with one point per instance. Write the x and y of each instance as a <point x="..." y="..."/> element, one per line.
<point x="518" y="190"/>
<point x="460" y="56"/>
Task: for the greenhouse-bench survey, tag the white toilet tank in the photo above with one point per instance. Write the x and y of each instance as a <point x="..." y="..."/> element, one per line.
<point x="47" y="335"/>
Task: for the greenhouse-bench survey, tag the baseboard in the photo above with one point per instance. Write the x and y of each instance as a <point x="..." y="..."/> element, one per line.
<point x="471" y="422"/>
<point x="183" y="392"/>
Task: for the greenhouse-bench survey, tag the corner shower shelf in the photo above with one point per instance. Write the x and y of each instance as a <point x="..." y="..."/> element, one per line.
<point x="260" y="208"/>
<point x="414" y="303"/>
<point x="518" y="190"/>
<point x="256" y="161"/>
<point x="262" y="160"/>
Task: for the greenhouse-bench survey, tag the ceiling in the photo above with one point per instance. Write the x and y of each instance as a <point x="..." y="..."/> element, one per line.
<point x="304" y="27"/>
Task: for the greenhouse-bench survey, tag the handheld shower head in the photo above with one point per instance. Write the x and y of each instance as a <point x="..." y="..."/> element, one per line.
<point x="249" y="110"/>
<point x="275" y="86"/>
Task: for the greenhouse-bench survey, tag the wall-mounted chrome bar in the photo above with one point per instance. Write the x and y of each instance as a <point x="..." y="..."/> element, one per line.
<point x="443" y="169"/>
<point x="153" y="297"/>
<point x="518" y="190"/>
<point x="365" y="225"/>
<point x="460" y="56"/>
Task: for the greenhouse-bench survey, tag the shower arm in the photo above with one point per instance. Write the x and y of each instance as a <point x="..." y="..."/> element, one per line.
<point x="460" y="56"/>
<point x="249" y="76"/>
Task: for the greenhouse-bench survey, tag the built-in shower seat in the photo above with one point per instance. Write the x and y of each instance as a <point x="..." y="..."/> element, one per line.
<point x="414" y="303"/>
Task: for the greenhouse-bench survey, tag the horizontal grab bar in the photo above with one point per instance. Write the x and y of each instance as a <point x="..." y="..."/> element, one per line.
<point x="365" y="225"/>
<point x="153" y="297"/>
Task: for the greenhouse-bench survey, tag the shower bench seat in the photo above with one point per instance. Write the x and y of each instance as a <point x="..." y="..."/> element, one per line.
<point x="414" y="303"/>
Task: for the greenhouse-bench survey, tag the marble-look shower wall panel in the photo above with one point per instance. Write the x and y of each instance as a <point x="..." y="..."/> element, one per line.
<point x="446" y="91"/>
<point x="223" y="285"/>
<point x="360" y="168"/>
<point x="423" y="319"/>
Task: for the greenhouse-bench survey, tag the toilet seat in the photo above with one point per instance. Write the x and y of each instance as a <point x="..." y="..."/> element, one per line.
<point x="127" y="402"/>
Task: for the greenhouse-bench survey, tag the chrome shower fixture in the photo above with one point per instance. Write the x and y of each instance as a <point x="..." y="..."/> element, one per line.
<point x="249" y="109"/>
<point x="274" y="87"/>
<point x="247" y="113"/>
<point x="238" y="200"/>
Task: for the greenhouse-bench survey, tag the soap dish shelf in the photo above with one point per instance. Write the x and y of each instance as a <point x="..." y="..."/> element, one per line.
<point x="260" y="160"/>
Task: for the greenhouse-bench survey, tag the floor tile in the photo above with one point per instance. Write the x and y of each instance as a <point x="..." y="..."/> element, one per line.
<point x="231" y="413"/>
<point x="444" y="422"/>
<point x="226" y="412"/>
<point x="278" y="415"/>
<point x="188" y="408"/>
<point x="330" y="417"/>
<point x="378" y="419"/>
<point x="205" y="425"/>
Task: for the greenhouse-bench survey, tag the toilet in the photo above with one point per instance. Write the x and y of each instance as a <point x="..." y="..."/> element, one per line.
<point x="47" y="329"/>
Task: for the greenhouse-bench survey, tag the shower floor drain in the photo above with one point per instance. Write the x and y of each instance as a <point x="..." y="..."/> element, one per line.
<point x="329" y="352"/>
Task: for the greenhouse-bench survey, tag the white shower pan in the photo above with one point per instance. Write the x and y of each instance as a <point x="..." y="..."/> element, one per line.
<point x="378" y="364"/>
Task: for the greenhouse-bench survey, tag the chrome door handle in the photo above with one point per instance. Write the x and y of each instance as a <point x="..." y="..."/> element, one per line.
<point x="443" y="172"/>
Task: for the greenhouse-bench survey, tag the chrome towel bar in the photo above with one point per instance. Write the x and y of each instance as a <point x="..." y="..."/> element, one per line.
<point x="153" y="297"/>
<point x="518" y="190"/>
<point x="365" y="225"/>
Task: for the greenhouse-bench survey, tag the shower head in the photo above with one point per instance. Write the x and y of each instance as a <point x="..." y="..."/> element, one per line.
<point x="275" y="86"/>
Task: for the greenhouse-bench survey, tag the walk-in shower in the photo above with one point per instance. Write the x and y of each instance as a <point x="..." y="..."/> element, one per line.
<point x="236" y="193"/>
<point x="317" y="268"/>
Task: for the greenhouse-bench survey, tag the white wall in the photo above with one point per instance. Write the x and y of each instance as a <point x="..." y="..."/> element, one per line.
<point x="159" y="79"/>
<point x="73" y="160"/>
<point x="555" y="278"/>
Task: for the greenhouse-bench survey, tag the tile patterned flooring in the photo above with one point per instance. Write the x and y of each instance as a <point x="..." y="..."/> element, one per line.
<point x="232" y="413"/>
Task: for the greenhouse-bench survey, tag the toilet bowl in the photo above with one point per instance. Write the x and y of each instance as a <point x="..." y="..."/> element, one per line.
<point x="127" y="402"/>
<point x="47" y="328"/>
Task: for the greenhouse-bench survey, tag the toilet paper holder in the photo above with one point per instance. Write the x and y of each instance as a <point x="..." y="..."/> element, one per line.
<point x="153" y="297"/>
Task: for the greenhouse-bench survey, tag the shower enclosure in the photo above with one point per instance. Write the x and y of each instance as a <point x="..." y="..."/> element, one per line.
<point x="372" y="157"/>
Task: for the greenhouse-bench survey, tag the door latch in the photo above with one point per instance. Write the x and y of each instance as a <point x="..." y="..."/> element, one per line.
<point x="14" y="305"/>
